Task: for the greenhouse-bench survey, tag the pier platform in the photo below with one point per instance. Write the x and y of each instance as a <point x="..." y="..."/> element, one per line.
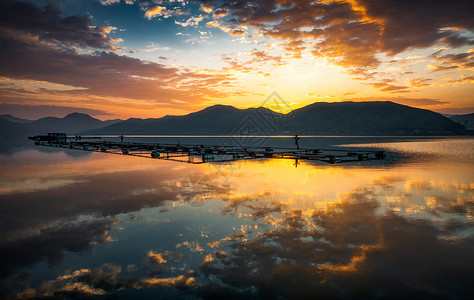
<point x="197" y="154"/>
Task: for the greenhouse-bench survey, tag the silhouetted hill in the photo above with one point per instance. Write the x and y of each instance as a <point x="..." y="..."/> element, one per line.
<point x="466" y="120"/>
<point x="317" y="118"/>
<point x="217" y="119"/>
<point x="111" y="122"/>
<point x="10" y="130"/>
<point x="14" y="119"/>
<point x="374" y="117"/>
<point x="70" y="124"/>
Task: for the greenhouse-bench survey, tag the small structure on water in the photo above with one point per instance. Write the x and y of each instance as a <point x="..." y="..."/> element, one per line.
<point x="52" y="137"/>
<point x="208" y="153"/>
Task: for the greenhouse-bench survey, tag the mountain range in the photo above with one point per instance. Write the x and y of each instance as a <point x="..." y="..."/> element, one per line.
<point x="347" y="118"/>
<point x="340" y="118"/>
<point x="466" y="120"/>
<point x="14" y="119"/>
<point x="12" y="127"/>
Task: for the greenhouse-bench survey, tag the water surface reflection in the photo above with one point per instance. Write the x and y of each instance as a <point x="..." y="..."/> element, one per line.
<point x="128" y="227"/>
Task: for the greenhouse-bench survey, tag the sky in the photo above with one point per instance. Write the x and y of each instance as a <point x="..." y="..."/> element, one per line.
<point x="149" y="58"/>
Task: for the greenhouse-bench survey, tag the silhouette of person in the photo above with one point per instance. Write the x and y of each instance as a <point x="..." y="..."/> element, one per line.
<point x="296" y="138"/>
<point x="121" y="138"/>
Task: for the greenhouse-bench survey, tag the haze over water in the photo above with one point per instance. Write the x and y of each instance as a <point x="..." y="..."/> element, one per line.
<point x="78" y="224"/>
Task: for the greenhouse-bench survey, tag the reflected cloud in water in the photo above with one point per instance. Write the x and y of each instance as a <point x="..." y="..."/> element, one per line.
<point x="253" y="229"/>
<point x="349" y="249"/>
<point x="49" y="244"/>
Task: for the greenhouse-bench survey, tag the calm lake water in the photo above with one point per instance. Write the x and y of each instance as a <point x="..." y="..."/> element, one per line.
<point x="80" y="224"/>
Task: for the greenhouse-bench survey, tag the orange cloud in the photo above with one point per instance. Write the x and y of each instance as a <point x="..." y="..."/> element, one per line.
<point x="212" y="24"/>
<point x="192" y="21"/>
<point x="156" y="257"/>
<point x="462" y="80"/>
<point x="53" y="58"/>
<point x="161" y="11"/>
<point x="221" y="13"/>
<point x="237" y="32"/>
<point x="419" y="82"/>
<point x="386" y="87"/>
<point x="207" y="8"/>
<point x="352" y="33"/>
<point x="459" y="61"/>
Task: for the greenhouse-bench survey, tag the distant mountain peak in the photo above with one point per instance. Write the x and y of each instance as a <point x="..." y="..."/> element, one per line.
<point x="77" y="115"/>
<point x="219" y="107"/>
<point x="14" y="119"/>
<point x="465" y="120"/>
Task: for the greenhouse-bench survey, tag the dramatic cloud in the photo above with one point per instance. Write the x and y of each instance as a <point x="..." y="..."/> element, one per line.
<point x="31" y="24"/>
<point x="96" y="73"/>
<point x="416" y="24"/>
<point x="385" y="45"/>
<point x="351" y="33"/>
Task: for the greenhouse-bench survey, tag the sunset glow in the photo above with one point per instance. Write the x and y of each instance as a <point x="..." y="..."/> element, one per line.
<point x="126" y="58"/>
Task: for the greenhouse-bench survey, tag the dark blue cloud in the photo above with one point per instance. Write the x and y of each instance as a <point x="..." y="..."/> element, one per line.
<point x="47" y="24"/>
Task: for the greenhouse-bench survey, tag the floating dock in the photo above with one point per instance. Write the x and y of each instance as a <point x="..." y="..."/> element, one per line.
<point x="198" y="154"/>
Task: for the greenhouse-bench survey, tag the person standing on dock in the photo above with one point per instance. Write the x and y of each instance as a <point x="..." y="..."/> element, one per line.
<point x="121" y="138"/>
<point x="296" y="138"/>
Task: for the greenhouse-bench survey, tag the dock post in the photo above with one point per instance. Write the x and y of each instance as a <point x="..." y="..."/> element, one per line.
<point x="296" y="138"/>
<point x="380" y="155"/>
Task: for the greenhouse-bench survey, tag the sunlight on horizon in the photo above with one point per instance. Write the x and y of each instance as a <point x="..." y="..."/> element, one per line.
<point x="179" y="57"/>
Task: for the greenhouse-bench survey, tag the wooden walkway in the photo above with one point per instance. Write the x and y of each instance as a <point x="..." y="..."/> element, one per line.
<point x="197" y="154"/>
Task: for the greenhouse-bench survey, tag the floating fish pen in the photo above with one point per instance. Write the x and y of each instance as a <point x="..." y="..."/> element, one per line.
<point x="197" y="154"/>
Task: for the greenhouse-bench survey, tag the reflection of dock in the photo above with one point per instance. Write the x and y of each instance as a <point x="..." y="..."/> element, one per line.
<point x="215" y="153"/>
